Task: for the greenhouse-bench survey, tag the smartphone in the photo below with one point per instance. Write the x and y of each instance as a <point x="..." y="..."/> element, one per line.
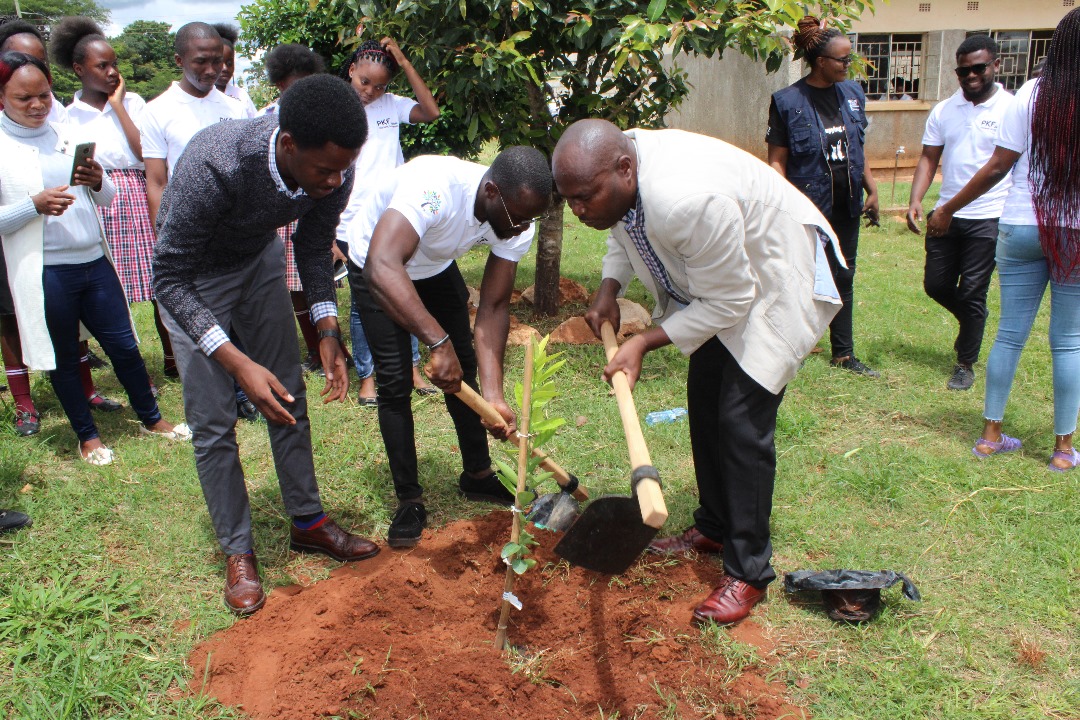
<point x="83" y="152"/>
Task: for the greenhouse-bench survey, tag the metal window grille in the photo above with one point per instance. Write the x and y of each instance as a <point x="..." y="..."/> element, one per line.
<point x="1020" y="51"/>
<point x="973" y="6"/>
<point x="1068" y="3"/>
<point x="894" y="64"/>
<point x="925" y="7"/>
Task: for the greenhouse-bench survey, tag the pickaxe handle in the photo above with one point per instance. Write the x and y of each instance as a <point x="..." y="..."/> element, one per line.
<point x="492" y="417"/>
<point x="650" y="497"/>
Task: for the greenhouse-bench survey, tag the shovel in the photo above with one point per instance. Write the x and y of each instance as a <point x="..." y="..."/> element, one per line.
<point x="553" y="511"/>
<point x="614" y="530"/>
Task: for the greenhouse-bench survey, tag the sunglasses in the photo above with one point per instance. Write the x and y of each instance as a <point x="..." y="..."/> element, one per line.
<point x="965" y="70"/>
<point x="845" y="61"/>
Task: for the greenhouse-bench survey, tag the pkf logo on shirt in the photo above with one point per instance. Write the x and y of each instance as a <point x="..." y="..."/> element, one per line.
<point x="432" y="201"/>
<point x="853" y="104"/>
<point x="385" y="123"/>
<point x="988" y="124"/>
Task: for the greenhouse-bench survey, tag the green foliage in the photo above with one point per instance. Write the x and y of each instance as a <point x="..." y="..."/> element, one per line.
<point x="45" y="11"/>
<point x="541" y="431"/>
<point x="521" y="70"/>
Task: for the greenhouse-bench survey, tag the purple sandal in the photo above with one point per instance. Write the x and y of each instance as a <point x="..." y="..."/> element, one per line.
<point x="1072" y="456"/>
<point x="1004" y="445"/>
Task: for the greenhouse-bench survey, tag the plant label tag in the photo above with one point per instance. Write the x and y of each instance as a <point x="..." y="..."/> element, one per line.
<point x="512" y="599"/>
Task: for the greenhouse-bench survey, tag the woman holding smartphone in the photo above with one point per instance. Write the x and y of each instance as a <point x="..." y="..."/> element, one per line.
<point x="60" y="268"/>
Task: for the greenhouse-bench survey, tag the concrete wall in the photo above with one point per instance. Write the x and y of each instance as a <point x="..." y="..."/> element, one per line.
<point x="904" y="16"/>
<point x="729" y="98"/>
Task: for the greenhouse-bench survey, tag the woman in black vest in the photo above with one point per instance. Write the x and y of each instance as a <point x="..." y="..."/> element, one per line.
<point x="817" y="128"/>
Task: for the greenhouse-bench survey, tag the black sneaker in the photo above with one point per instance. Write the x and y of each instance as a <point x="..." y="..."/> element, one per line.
<point x="11" y="520"/>
<point x="855" y="365"/>
<point x="962" y="378"/>
<point x="246" y="410"/>
<point x="27" y="423"/>
<point x="488" y="489"/>
<point x="313" y="365"/>
<point x="95" y="362"/>
<point x="408" y="524"/>
<point x="100" y="402"/>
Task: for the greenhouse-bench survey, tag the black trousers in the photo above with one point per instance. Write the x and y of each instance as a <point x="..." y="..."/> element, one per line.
<point x="959" y="266"/>
<point x="447" y="299"/>
<point x="732" y="428"/>
<point x="841" y="332"/>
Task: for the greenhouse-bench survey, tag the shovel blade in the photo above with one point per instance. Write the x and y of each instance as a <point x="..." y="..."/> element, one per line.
<point x="608" y="537"/>
<point x="554" y="511"/>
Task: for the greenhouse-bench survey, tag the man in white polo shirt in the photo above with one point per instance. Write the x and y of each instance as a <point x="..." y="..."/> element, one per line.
<point x="421" y="218"/>
<point x="188" y="106"/>
<point x="960" y="133"/>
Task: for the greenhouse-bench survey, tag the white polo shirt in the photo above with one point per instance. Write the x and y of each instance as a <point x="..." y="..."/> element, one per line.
<point x="380" y="155"/>
<point x="241" y="96"/>
<point x="967" y="134"/>
<point x="171" y="119"/>
<point x="112" y="151"/>
<point x="437" y="195"/>
<point x="1015" y="135"/>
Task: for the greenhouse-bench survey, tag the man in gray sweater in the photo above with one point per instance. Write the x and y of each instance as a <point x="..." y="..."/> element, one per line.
<point x="219" y="264"/>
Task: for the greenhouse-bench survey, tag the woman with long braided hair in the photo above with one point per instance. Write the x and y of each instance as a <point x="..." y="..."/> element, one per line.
<point x="817" y="128"/>
<point x="1038" y="240"/>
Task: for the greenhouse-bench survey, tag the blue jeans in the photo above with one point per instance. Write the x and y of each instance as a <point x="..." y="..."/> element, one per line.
<point x="1023" y="275"/>
<point x="91" y="293"/>
<point x="361" y="353"/>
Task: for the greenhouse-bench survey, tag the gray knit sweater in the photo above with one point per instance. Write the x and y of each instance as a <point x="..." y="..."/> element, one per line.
<point x="220" y="210"/>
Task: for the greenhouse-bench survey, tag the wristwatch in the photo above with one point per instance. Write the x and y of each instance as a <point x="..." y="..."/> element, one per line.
<point x="334" y="333"/>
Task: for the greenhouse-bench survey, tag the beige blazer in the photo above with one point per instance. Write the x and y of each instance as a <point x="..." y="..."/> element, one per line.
<point x="740" y="242"/>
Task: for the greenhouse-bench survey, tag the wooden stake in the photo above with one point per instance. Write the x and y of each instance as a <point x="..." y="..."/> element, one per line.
<point x="523" y="468"/>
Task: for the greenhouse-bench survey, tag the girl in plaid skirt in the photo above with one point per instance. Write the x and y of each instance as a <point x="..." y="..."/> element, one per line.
<point x="110" y="115"/>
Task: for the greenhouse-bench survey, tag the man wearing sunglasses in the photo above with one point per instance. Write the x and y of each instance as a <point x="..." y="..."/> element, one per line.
<point x="431" y="211"/>
<point x="960" y="134"/>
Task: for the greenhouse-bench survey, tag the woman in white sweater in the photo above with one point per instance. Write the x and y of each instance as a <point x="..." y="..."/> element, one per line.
<point x="59" y="269"/>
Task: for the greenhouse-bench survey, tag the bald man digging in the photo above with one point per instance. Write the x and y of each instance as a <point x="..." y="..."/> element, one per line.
<point x="734" y="256"/>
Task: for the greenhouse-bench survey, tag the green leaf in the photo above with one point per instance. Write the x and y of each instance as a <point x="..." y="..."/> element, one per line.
<point x="474" y="125"/>
<point x="510" y="550"/>
<point x="524" y="499"/>
<point x="656" y="9"/>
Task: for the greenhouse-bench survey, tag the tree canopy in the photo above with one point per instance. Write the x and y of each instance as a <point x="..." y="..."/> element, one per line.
<point x="42" y="12"/>
<point x="522" y="70"/>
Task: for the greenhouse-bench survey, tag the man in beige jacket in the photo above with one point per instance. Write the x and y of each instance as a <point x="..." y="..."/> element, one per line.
<point x="734" y="256"/>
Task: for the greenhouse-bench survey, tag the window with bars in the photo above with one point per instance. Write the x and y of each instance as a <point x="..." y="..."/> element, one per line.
<point x="893" y="64"/>
<point x="1020" y="52"/>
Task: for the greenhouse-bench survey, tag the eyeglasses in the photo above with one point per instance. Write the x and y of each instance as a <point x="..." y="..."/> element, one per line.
<point x="845" y="61"/>
<point x="977" y="69"/>
<point x="519" y="226"/>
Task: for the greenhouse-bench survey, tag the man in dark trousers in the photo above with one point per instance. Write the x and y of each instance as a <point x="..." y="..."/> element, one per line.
<point x="735" y="257"/>
<point x="219" y="264"/>
<point x="960" y="134"/>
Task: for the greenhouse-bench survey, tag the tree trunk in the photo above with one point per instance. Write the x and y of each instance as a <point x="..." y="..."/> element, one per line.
<point x="548" y="256"/>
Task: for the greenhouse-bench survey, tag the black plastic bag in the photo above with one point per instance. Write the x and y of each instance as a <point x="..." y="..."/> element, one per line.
<point x="850" y="595"/>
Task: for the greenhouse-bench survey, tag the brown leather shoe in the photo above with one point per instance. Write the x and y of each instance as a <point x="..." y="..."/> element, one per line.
<point x="330" y="539"/>
<point x="690" y="539"/>
<point x="243" y="589"/>
<point x="729" y="603"/>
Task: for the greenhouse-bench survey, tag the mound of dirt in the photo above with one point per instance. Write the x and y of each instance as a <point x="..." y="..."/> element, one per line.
<point x="411" y="635"/>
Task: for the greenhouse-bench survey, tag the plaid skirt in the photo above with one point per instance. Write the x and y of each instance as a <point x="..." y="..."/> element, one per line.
<point x="292" y="277"/>
<point x="130" y="235"/>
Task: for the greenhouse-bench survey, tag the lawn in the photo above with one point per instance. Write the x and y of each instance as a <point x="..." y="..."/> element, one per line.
<point x="103" y="599"/>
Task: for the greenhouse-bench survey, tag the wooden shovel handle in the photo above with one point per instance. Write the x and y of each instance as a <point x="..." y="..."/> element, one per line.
<point x="491" y="416"/>
<point x="650" y="497"/>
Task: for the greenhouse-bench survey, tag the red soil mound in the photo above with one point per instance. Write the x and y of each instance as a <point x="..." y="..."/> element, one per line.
<point x="410" y="635"/>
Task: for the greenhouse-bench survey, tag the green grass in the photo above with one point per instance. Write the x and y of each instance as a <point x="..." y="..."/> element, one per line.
<point x="103" y="599"/>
